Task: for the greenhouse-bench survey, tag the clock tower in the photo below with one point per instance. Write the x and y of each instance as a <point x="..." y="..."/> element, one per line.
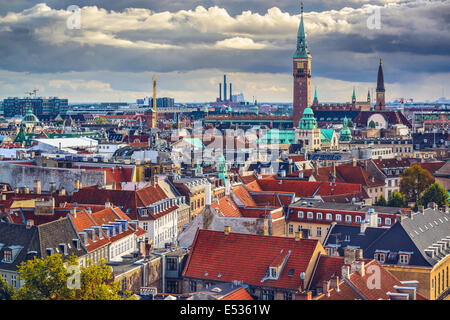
<point x="302" y="75"/>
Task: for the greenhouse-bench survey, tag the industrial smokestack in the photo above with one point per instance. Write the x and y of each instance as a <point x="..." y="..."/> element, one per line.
<point x="225" y="87"/>
<point x="220" y="92"/>
<point x="230" y="92"/>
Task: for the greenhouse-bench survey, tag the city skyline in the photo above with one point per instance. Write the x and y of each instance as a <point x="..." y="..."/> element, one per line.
<point x="191" y="47"/>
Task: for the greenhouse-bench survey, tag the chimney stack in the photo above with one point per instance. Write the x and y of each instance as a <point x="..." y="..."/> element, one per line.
<point x="325" y="286"/>
<point x="334" y="283"/>
<point x="298" y="236"/>
<point x="208" y="194"/>
<point x="354" y="162"/>
<point x="316" y="167"/>
<point x="230" y="92"/>
<point x="227" y="187"/>
<point x="421" y="209"/>
<point x="227" y="230"/>
<point x="345" y="271"/>
<point x="37" y="186"/>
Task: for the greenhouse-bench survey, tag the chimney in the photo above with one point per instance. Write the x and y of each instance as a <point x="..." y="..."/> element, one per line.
<point x="334" y="283"/>
<point x="354" y="162"/>
<point x="421" y="209"/>
<point x="227" y="230"/>
<point x="316" y="167"/>
<point x="298" y="236"/>
<point x="358" y="266"/>
<point x="77" y="185"/>
<point x="37" y="186"/>
<point x="73" y="212"/>
<point x="350" y="255"/>
<point x="208" y="194"/>
<point x="107" y="204"/>
<point x="62" y="192"/>
<point x="325" y="286"/>
<point x="345" y="271"/>
<point x="155" y="180"/>
<point x="333" y="168"/>
<point x="227" y="187"/>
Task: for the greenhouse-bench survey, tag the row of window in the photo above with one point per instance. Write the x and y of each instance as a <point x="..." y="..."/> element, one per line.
<point x="338" y="217"/>
<point x="440" y="282"/>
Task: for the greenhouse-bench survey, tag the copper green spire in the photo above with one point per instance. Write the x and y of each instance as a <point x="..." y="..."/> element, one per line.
<point x="302" y="45"/>
<point x="354" y="94"/>
<point x="315" y="93"/>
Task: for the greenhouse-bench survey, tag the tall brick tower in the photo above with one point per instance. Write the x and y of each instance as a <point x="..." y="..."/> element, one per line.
<point x="302" y="75"/>
<point x="381" y="102"/>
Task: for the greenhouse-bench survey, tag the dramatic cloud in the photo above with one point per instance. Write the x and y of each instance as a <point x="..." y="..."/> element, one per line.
<point x="129" y="39"/>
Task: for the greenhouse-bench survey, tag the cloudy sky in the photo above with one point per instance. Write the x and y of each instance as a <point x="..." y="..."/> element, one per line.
<point x="190" y="44"/>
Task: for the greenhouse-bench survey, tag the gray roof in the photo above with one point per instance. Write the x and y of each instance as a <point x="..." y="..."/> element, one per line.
<point x="416" y="235"/>
<point x="37" y="239"/>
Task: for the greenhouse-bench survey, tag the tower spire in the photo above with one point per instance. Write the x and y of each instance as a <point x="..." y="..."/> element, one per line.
<point x="302" y="45"/>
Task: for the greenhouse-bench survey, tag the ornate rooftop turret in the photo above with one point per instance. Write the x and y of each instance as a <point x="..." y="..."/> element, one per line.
<point x="302" y="45"/>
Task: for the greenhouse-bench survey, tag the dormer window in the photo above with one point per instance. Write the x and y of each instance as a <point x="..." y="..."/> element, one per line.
<point x="301" y="214"/>
<point x="348" y="218"/>
<point x="329" y="217"/>
<point x="403" y="259"/>
<point x="388" y="221"/>
<point x="319" y="216"/>
<point x="310" y="215"/>
<point x="338" y="217"/>
<point x="273" y="273"/>
<point x="7" y="256"/>
<point x="380" y="257"/>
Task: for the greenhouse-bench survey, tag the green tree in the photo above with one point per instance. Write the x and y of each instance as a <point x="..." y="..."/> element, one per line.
<point x="435" y="193"/>
<point x="414" y="181"/>
<point x="49" y="279"/>
<point x="101" y="120"/>
<point x="6" y="292"/>
<point x="396" y="199"/>
<point x="381" y="201"/>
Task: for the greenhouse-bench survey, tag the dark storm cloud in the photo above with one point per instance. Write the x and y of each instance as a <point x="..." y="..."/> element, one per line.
<point x="413" y="39"/>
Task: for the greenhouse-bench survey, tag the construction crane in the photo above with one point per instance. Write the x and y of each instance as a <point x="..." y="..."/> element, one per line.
<point x="32" y="93"/>
<point x="181" y="114"/>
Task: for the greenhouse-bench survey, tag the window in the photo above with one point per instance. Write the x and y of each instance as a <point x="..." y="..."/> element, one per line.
<point x="348" y="218"/>
<point x="329" y="217"/>
<point x="291" y="228"/>
<point x="7" y="256"/>
<point x="319" y="231"/>
<point x="380" y="257"/>
<point x="192" y="286"/>
<point x="124" y="284"/>
<point x="273" y="273"/>
<point x="319" y="215"/>
<point x="145" y="226"/>
<point x="380" y="221"/>
<point x="172" y="264"/>
<point x="288" y="296"/>
<point x="300" y="214"/>
<point x="358" y="219"/>
<point x="172" y="286"/>
<point x="338" y="217"/>
<point x="14" y="281"/>
<point x="404" y="259"/>
<point x="310" y="215"/>
<point x="267" y="295"/>
<point x="388" y="221"/>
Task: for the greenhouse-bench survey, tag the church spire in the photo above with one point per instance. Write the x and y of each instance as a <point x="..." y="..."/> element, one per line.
<point x="380" y="79"/>
<point x="302" y="45"/>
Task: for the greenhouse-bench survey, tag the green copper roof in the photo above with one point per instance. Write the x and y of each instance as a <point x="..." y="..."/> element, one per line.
<point x="302" y="45"/>
<point x="276" y="136"/>
<point x="327" y="134"/>
<point x="315" y="94"/>
<point x="308" y="121"/>
<point x="354" y="95"/>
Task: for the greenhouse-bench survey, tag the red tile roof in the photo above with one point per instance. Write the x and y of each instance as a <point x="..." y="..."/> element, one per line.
<point x="246" y="257"/>
<point x="226" y="207"/>
<point x="239" y="294"/>
<point x="304" y="188"/>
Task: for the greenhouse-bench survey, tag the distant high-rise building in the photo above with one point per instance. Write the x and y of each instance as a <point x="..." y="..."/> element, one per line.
<point x="225" y="87"/>
<point x="39" y="106"/>
<point x="164" y="102"/>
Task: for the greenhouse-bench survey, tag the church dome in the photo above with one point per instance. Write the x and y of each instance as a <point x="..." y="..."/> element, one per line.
<point x="30" y="117"/>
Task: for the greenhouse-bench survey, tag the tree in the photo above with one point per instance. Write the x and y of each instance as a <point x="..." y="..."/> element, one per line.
<point x="101" y="120"/>
<point x="414" y="181"/>
<point x="435" y="193"/>
<point x="396" y="199"/>
<point x="6" y="292"/>
<point x="51" y="279"/>
<point x="381" y="201"/>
